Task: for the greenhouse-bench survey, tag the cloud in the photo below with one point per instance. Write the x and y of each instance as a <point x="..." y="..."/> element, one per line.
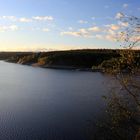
<point x="124" y="24"/>
<point x="110" y="32"/>
<point x="43" y="18"/>
<point x="113" y="27"/>
<point x="119" y="15"/>
<point x="83" y="32"/>
<point x="109" y="35"/>
<point x="70" y="28"/>
<point x="94" y="29"/>
<point x="35" y="28"/>
<point x="12" y="18"/>
<point x="24" y="19"/>
<point x="125" y="5"/>
<point x="8" y="28"/>
<point x="135" y="38"/>
<point x="13" y="27"/>
<point x="110" y="38"/>
<point x="76" y="34"/>
<point x="80" y="33"/>
<point x="98" y="36"/>
<point x="82" y="22"/>
<point x="45" y="30"/>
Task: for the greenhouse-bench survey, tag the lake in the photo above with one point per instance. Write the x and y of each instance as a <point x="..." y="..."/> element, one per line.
<point x="47" y="104"/>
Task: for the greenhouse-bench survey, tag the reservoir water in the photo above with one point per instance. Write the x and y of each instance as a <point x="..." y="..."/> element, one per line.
<point x="47" y="104"/>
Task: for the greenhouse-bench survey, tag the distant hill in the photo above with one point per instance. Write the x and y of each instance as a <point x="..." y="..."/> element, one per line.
<point x="60" y="59"/>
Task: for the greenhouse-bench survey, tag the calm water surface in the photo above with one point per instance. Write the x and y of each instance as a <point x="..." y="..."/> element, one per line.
<point x="46" y="104"/>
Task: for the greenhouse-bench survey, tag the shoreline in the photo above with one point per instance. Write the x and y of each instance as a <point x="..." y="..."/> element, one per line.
<point x="71" y="68"/>
<point x="66" y="68"/>
<point x="58" y="67"/>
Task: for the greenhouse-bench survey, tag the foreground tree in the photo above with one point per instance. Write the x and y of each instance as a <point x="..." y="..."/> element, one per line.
<point x="124" y="104"/>
<point x="124" y="100"/>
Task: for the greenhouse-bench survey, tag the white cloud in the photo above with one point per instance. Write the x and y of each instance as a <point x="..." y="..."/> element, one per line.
<point x="8" y="28"/>
<point x="111" y="32"/>
<point x="135" y="38"/>
<point x="98" y="36"/>
<point x="113" y="27"/>
<point x="12" y="18"/>
<point x="76" y="34"/>
<point x="124" y="24"/>
<point x="13" y="27"/>
<point x="94" y="29"/>
<point x="35" y="29"/>
<point x="80" y="33"/>
<point x="24" y="19"/>
<point x="46" y="30"/>
<point x="83" y="32"/>
<point x="82" y="22"/>
<point x="108" y="32"/>
<point x="125" y="5"/>
<point x="110" y="37"/>
<point x="43" y="18"/>
<point x="119" y="15"/>
<point x="70" y="28"/>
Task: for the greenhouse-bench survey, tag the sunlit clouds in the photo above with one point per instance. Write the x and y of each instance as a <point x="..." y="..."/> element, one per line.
<point x="43" y="18"/>
<point x="83" y="32"/>
<point x="113" y="27"/>
<point x="8" y="28"/>
<point x="45" y="30"/>
<point x="53" y="24"/>
<point x="108" y="32"/>
<point x="94" y="29"/>
<point x="82" y="21"/>
<point x="10" y="18"/>
<point x="26" y="19"/>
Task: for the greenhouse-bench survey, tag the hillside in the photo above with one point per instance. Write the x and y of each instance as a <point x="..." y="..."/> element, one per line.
<point x="63" y="59"/>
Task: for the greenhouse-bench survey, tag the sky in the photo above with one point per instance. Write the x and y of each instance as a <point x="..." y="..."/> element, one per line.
<point x="43" y="25"/>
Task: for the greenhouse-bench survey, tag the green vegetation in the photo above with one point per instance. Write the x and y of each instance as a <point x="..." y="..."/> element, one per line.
<point x="95" y="59"/>
<point x="13" y="56"/>
<point x="128" y="59"/>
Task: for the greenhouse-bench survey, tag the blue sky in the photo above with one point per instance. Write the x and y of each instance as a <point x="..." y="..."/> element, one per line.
<point x="61" y="24"/>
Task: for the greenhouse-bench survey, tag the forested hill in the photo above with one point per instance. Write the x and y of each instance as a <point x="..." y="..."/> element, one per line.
<point x="71" y="58"/>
